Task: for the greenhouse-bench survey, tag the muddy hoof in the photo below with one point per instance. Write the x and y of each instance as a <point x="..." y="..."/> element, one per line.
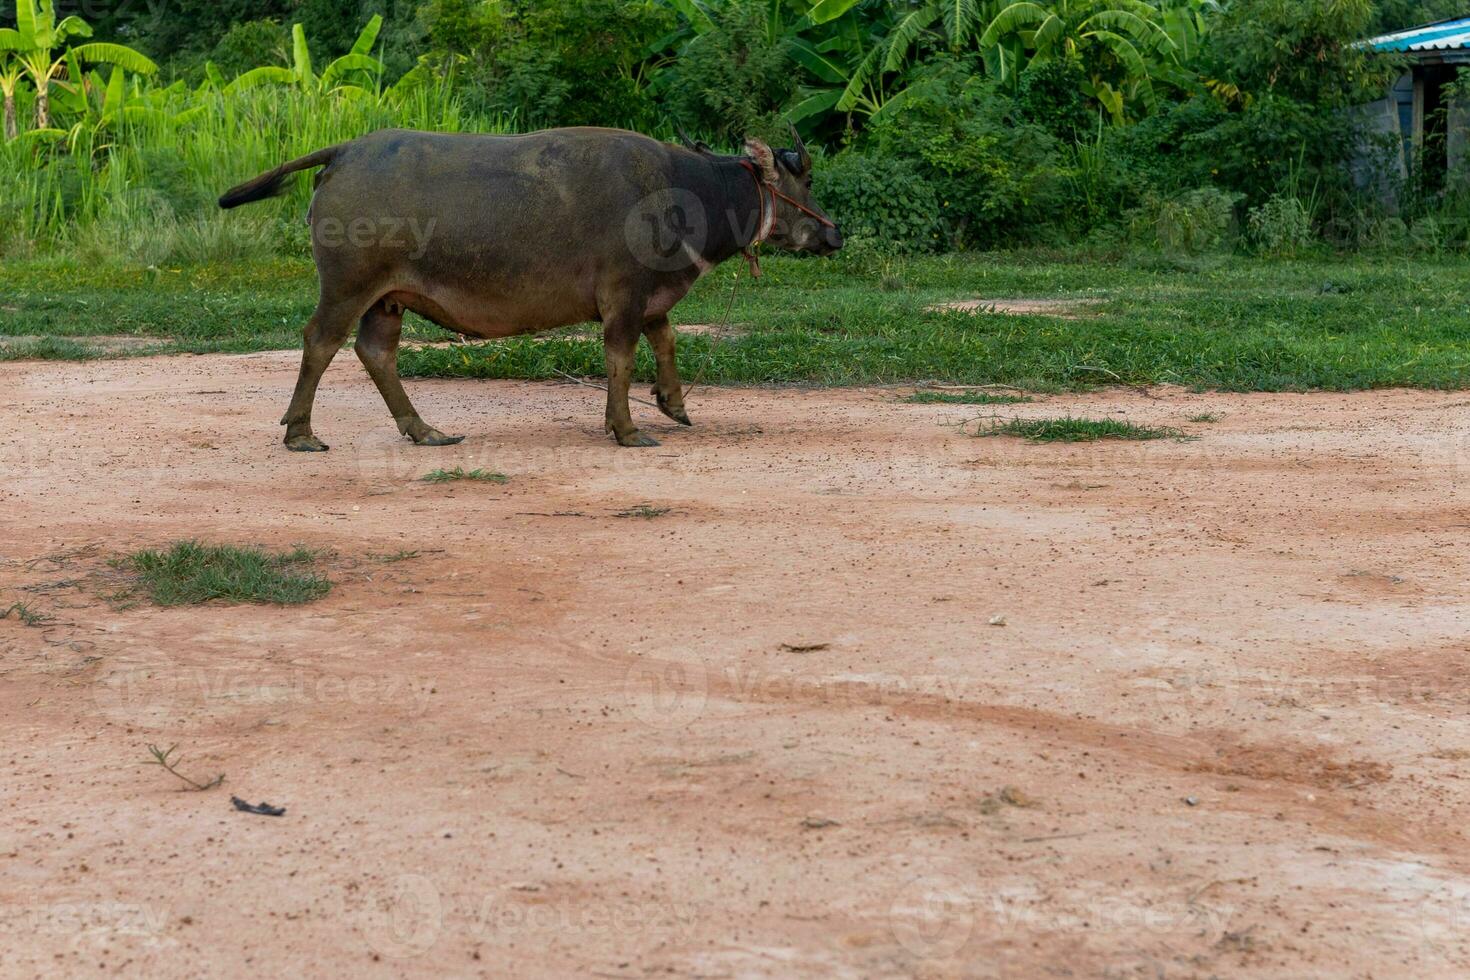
<point x="677" y="414"/>
<point x="436" y="438"/>
<point x="306" y="444"/>
<point x="636" y="438"/>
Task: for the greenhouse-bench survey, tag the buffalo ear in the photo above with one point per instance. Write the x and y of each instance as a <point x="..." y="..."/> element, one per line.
<point x="804" y="158"/>
<point x="764" y="159"/>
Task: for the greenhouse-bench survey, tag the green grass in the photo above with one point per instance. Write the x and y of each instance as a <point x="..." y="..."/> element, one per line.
<point x="1069" y="429"/>
<point x="392" y="557"/>
<point x="189" y="573"/>
<point x="146" y="190"/>
<point x="1228" y="322"/>
<point x="460" y="473"/>
<point x="23" y="612"/>
<point x="1205" y="417"/>
<point x="963" y="398"/>
<point x="643" y="511"/>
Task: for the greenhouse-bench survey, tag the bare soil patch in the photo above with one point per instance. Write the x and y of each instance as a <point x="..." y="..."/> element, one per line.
<point x="776" y="731"/>
<point x="1066" y="309"/>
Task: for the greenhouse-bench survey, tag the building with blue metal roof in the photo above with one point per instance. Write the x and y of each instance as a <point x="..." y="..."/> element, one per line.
<point x="1431" y="120"/>
<point x="1448" y="40"/>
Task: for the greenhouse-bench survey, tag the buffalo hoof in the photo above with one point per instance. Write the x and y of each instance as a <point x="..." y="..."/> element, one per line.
<point x="677" y="414"/>
<point x="306" y="444"/>
<point x="436" y="438"/>
<point x="637" y="439"/>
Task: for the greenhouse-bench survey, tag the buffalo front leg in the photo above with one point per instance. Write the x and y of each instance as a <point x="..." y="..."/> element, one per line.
<point x="668" y="392"/>
<point x="620" y="342"/>
<point x="377" y="348"/>
<point x="323" y="335"/>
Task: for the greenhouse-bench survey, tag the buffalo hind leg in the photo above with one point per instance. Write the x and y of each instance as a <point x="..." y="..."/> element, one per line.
<point x="321" y="339"/>
<point x="620" y="341"/>
<point x="668" y="392"/>
<point x="377" y="348"/>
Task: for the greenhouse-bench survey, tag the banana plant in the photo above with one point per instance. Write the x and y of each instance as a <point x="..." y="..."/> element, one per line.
<point x="105" y="106"/>
<point x="1121" y="44"/>
<point x="825" y="37"/>
<point x="956" y="23"/>
<point x="1187" y="22"/>
<point x="38" y="43"/>
<point x="355" y="64"/>
<point x="10" y="75"/>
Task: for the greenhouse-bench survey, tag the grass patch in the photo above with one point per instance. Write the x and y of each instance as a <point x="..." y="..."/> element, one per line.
<point x="391" y="557"/>
<point x="1239" y="323"/>
<point x="23" y="612"/>
<point x="47" y="349"/>
<point x="964" y="398"/>
<point x="460" y="473"/>
<point x="190" y="572"/>
<point x="1069" y="429"/>
<point x="1204" y="417"/>
<point x="643" y="511"/>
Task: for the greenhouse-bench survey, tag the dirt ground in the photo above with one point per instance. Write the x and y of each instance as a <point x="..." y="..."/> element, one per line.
<point x="873" y="698"/>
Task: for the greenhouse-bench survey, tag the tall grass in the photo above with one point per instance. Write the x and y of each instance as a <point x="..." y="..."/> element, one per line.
<point x="142" y="189"/>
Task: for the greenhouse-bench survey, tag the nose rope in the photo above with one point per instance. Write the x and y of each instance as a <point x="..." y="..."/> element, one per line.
<point x="766" y="216"/>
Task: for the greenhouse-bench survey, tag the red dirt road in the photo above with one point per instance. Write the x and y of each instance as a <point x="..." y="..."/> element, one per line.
<point x="1222" y="730"/>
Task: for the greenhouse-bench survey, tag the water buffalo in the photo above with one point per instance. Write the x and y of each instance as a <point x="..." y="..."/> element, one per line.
<point x="491" y="236"/>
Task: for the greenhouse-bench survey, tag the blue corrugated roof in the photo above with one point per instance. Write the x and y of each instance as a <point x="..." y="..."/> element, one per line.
<point x="1446" y="35"/>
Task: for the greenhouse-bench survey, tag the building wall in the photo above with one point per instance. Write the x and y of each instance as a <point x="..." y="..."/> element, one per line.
<point x="1371" y="171"/>
<point x="1457" y="136"/>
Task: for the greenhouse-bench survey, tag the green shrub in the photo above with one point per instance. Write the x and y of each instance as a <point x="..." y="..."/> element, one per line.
<point x="1256" y="150"/>
<point x="1102" y="181"/>
<point x="1281" y="226"/>
<point x="562" y="63"/>
<point x="880" y="199"/>
<point x="1429" y="234"/>
<point x="162" y="171"/>
<point x="1301" y="50"/>
<point x="249" y="44"/>
<point x="1193" y="221"/>
<point x="730" y="82"/>
<point x="1050" y="94"/>
<point x="999" y="177"/>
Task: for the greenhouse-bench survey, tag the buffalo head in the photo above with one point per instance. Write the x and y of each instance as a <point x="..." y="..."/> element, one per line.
<point x="800" y="225"/>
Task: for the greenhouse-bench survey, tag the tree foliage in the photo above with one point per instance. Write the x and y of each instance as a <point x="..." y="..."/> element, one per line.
<point x="1015" y="118"/>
